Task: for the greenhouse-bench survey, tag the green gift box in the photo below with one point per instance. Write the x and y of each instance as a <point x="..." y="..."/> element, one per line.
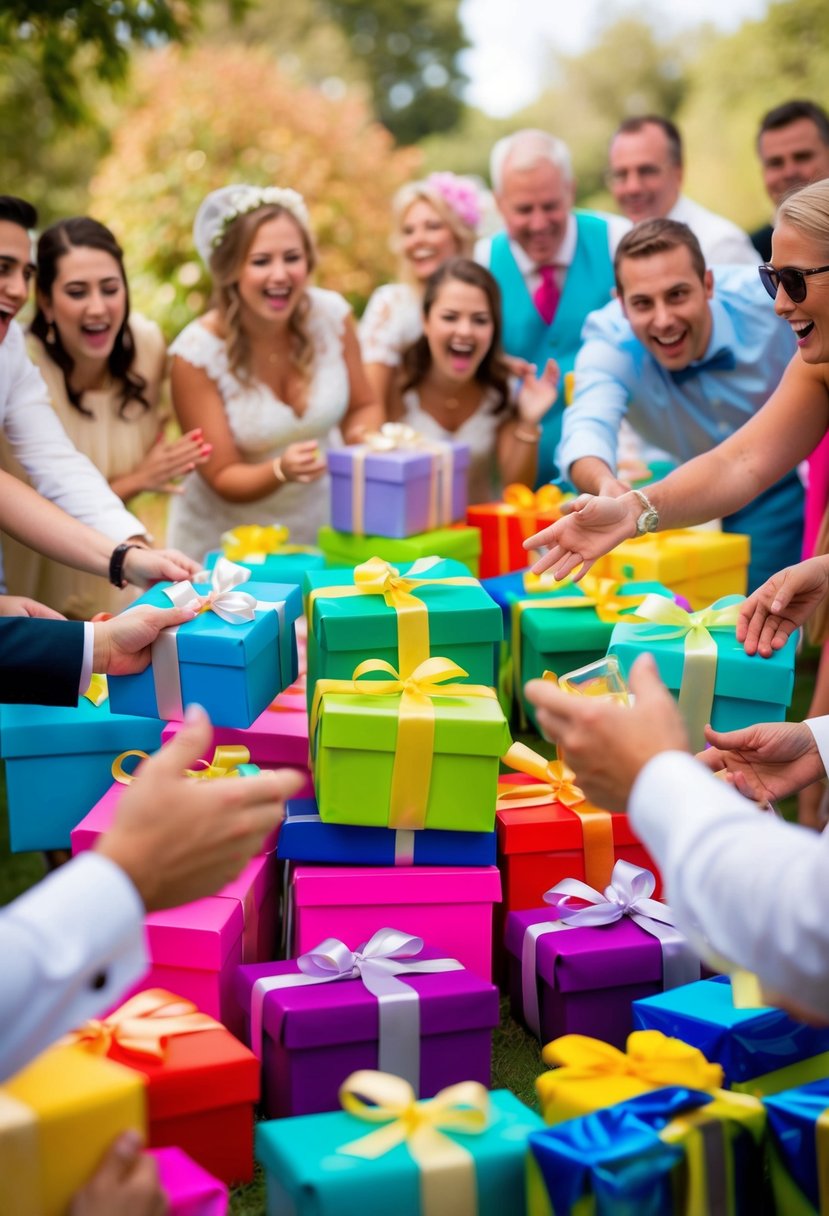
<point x="345" y="549"/>
<point x="458" y="620"/>
<point x="419" y="754"/>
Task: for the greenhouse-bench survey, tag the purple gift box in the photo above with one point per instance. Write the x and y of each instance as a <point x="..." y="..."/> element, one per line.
<point x="404" y="491"/>
<point x="190" y="1190"/>
<point x="311" y="1037"/>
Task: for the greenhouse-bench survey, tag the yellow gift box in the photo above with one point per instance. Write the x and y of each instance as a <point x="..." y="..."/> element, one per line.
<point x="701" y="566"/>
<point x="58" y="1117"/>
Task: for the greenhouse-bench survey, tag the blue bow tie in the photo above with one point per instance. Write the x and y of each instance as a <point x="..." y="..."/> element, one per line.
<point x="722" y="360"/>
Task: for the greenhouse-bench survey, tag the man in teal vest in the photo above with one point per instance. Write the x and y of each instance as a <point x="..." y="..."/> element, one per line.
<point x="553" y="264"/>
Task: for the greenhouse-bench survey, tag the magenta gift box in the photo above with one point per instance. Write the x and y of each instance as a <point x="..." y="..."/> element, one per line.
<point x="450" y="907"/>
<point x="313" y="1037"/>
<point x="190" y="1190"/>
<point x="587" y="977"/>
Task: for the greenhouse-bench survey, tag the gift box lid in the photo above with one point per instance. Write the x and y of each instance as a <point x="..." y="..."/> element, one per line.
<point x="563" y="629"/>
<point x="746" y="1042"/>
<point x="238" y="645"/>
<point x="63" y="1078"/>
<point x="471" y="726"/>
<point x="549" y="828"/>
<point x="320" y="1015"/>
<point x="343" y="623"/>
<point x="310" y="560"/>
<point x="399" y="465"/>
<point x="278" y="736"/>
<point x="676" y="556"/>
<point x="343" y="548"/>
<point x="82" y="729"/>
<point x="327" y="886"/>
<point x="585" y="958"/>
<point x="739" y="675"/>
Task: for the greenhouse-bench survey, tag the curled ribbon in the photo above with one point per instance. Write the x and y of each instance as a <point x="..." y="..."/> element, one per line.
<point x="628" y="894"/>
<point x="227" y="761"/>
<point x="399" y="436"/>
<point x="388" y="954"/>
<point x="255" y="543"/>
<point x="414" y="753"/>
<point x="98" y="691"/>
<point x="448" y="1183"/>
<point x="142" y="1025"/>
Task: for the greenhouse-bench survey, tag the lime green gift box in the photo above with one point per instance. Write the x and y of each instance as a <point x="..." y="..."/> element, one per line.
<point x="461" y="543"/>
<point x="410" y="754"/>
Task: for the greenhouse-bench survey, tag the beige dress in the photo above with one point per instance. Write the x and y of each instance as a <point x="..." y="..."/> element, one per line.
<point x="115" y="445"/>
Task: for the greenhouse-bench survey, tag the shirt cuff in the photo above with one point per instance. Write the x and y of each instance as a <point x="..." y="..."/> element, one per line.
<point x="86" y="661"/>
<point x="820" y="732"/>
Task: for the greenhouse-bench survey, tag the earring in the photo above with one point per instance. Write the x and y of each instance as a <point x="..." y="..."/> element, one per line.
<point x="50" y="334"/>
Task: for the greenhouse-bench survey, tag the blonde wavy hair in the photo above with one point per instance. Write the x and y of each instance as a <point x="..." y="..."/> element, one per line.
<point x="424" y="191"/>
<point x="226" y="263"/>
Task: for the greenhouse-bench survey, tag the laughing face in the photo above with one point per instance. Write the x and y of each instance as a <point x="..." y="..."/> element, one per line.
<point x="426" y="240"/>
<point x="459" y="329"/>
<point x="88" y="303"/>
<point x="16" y="272"/>
<point x="810" y="319"/>
<point x="274" y="272"/>
<point x="667" y="306"/>
<point x="535" y="204"/>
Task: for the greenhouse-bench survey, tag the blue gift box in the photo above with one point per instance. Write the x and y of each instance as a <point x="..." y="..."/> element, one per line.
<point x="233" y="670"/>
<point x="750" y="1044"/>
<point x="798" y="1150"/>
<point x="59" y="763"/>
<point x="274" y="567"/>
<point x="304" y="837"/>
<point x="306" y="1176"/>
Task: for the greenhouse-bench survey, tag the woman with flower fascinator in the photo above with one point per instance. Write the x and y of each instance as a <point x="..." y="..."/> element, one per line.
<point x="268" y="373"/>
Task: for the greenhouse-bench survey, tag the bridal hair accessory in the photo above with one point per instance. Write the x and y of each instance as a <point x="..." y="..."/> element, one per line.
<point x="223" y="206"/>
<point x="460" y="194"/>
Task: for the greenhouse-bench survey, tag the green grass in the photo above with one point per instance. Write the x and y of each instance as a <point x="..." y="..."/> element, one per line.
<point x="516" y="1056"/>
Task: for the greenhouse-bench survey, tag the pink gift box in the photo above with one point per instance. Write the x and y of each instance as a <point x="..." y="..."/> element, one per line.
<point x="190" y="1190"/>
<point x="450" y="907"/>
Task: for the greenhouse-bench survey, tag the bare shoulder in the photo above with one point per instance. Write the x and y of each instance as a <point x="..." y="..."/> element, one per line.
<point x="213" y="323"/>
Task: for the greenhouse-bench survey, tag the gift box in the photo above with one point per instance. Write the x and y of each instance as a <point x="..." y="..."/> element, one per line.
<point x="504" y="526"/>
<point x="799" y="1144"/>
<point x="399" y="492"/>
<point x="58" y="1118"/>
<point x="450" y="907"/>
<point x="579" y="966"/>
<point x="304" y="837"/>
<point x="459" y="543"/>
<point x="423" y="753"/>
<point x="232" y="664"/>
<point x="394" y="1005"/>
<point x="50" y="748"/>
<point x="701" y="661"/>
<point x="432" y="607"/>
<point x="265" y="552"/>
<point x="702" y="566"/>
<point x="201" y="1082"/>
<point x="674" y="1151"/>
<point x="190" y="1190"/>
<point x="315" y="1166"/>
<point x="762" y="1051"/>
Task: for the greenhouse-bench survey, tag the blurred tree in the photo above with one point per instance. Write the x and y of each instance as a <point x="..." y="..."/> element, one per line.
<point x="185" y="137"/>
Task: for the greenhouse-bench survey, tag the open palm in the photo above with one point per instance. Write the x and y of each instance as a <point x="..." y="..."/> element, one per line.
<point x="767" y="761"/>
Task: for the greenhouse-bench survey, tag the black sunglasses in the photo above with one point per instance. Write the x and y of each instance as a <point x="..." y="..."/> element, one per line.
<point x="793" y="280"/>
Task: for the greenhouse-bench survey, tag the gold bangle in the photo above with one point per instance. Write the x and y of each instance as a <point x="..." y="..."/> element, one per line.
<point x="278" y="471"/>
<point x="523" y="437"/>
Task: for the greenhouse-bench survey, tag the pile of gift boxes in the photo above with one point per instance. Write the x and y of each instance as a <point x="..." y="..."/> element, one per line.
<point x="346" y="984"/>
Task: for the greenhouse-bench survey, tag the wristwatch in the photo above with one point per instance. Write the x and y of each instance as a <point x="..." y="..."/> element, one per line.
<point x="648" y="521"/>
<point x="116" y="563"/>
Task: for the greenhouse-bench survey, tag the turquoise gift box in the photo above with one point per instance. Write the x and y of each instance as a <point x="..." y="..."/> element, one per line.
<point x="59" y="764"/>
<point x="233" y="670"/>
<point x="274" y="567"/>
<point x="307" y="1176"/>
<point x="799" y="1148"/>
<point x="761" y="1051"/>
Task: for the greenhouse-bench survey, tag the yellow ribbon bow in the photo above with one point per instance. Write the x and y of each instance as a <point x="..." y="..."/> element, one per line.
<point x="98" y="690"/>
<point x="414" y="753"/>
<point x="448" y="1183"/>
<point x="224" y="762"/>
<point x="141" y="1025"/>
<point x="651" y="1057"/>
<point x="254" y="543"/>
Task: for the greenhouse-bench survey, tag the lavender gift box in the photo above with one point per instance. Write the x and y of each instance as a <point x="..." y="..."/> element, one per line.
<point x="310" y="1038"/>
<point x="403" y="490"/>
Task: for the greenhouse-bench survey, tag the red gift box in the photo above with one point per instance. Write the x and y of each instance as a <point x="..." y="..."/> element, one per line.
<point x="504" y="526"/>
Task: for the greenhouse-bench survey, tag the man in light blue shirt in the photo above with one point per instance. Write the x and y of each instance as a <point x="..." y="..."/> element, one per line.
<point x="688" y="355"/>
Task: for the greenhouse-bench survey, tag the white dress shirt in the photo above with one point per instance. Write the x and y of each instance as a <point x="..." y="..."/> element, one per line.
<point x="721" y="241"/>
<point x="754" y="886"/>
<point x="69" y="948"/>
<point x="617" y="226"/>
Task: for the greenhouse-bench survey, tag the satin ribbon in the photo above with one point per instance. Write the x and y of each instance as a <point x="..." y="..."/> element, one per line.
<point x="555" y="783"/>
<point x="707" y="1136"/>
<point x="377" y="963"/>
<point x="414" y="751"/>
<point x="628" y="894"/>
<point x="652" y="1057"/>
<point x="448" y="1182"/>
<point x="378" y="577"/>
<point x="228" y="760"/>
<point x="526" y="506"/>
<point x="20" y="1163"/>
<point x="255" y="543"/>
<point x="233" y="606"/>
<point x="404" y="840"/>
<point x="699" y="671"/>
<point x="98" y="691"/>
<point x="142" y="1025"/>
<point x="396" y="437"/>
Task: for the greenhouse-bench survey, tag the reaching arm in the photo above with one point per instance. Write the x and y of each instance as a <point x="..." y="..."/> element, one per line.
<point x="518" y="437"/>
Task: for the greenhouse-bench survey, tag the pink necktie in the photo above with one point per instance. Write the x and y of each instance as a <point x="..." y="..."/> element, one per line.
<point x="546" y="296"/>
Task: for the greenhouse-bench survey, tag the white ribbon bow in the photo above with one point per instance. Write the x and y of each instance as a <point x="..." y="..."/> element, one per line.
<point x="234" y="606"/>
